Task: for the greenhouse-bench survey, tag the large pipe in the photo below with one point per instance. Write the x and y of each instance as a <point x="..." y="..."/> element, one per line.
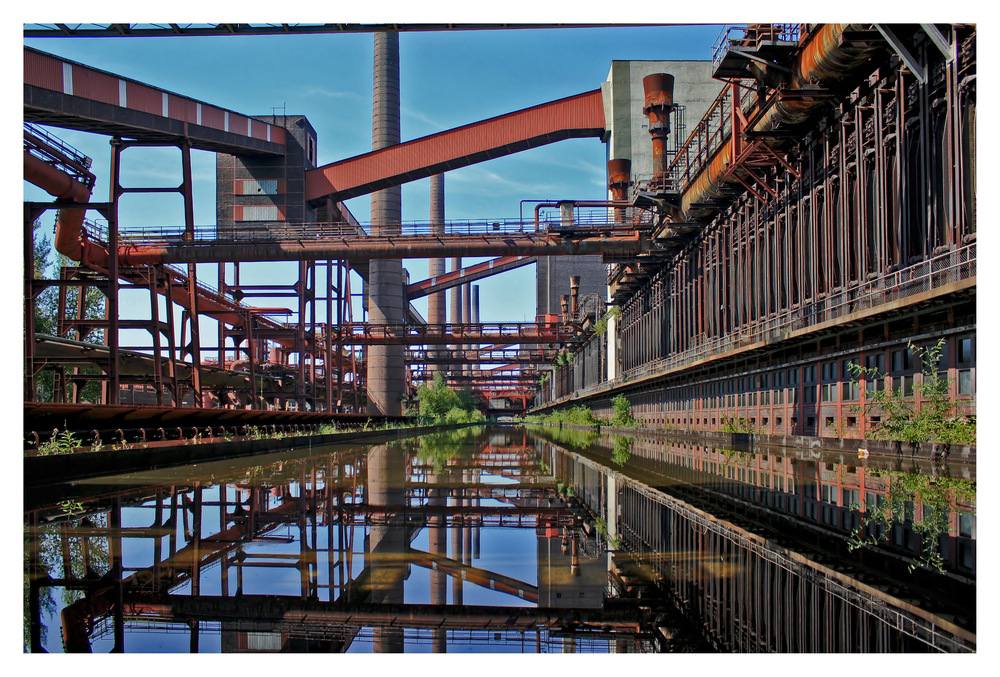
<point x="69" y="239"/>
<point x="574" y="295"/>
<point x="822" y="59"/>
<point x="619" y="180"/>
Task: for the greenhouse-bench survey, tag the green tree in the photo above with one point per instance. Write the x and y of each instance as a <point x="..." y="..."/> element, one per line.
<point x="937" y="419"/>
<point x="437" y="403"/>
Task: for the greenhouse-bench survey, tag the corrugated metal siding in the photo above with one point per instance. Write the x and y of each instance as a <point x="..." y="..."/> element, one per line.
<point x="259" y="129"/>
<point x="237" y="124"/>
<point x="257" y="213"/>
<point x="42" y="71"/>
<point x="93" y="85"/>
<point x="212" y="117"/>
<point x="183" y="109"/>
<point x="263" y="641"/>
<point x="257" y="187"/>
<point x="147" y="99"/>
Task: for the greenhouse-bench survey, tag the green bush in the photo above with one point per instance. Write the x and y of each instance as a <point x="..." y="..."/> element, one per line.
<point x="937" y="420"/>
<point x="437" y="404"/>
<point x="621" y="414"/>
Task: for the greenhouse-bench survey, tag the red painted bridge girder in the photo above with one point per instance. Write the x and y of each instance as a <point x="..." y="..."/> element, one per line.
<point x="576" y="116"/>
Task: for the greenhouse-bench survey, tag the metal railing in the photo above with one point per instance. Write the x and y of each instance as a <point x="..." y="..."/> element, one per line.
<point x="936" y="272"/>
<point x="752" y="35"/>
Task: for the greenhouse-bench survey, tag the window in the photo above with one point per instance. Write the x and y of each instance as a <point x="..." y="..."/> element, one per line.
<point x="256" y="186"/>
<point x="965" y="351"/>
<point x="966" y="382"/>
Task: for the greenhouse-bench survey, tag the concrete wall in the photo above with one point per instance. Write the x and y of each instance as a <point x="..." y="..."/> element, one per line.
<point x="627" y="135"/>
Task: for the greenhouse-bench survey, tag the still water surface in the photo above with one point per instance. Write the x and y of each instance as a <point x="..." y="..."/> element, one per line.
<point x="505" y="539"/>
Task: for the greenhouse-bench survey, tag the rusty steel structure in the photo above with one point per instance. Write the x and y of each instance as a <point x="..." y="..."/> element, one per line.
<point x="821" y="215"/>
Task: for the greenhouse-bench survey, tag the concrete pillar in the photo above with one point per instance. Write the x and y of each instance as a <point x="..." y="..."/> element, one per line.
<point x="456" y="309"/>
<point x="437" y="544"/>
<point x="386" y="477"/>
<point x="436" y="302"/>
<point x="467" y="314"/>
<point x="386" y="298"/>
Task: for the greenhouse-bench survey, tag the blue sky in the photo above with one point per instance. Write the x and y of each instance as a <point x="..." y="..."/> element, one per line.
<point x="447" y="79"/>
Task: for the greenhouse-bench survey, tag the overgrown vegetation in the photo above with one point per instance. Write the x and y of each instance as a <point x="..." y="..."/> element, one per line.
<point x="738" y="425"/>
<point x="937" y="419"/>
<point x="438" y="404"/>
<point x="578" y="415"/>
<point x="621" y="413"/>
<point x="439" y="448"/>
<point x="601" y="527"/>
<point x="622" y="450"/>
<point x="601" y="325"/>
<point x="939" y="497"/>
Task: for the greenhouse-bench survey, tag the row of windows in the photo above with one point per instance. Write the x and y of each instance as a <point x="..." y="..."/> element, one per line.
<point x="826" y="393"/>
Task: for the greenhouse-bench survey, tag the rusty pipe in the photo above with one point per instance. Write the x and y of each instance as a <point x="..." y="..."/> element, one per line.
<point x="574" y="294"/>
<point x="657" y="106"/>
<point x="821" y="59"/>
<point x="69" y="239"/>
<point x="619" y="180"/>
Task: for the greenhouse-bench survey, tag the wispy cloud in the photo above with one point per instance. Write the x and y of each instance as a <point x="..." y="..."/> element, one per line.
<point x="332" y="94"/>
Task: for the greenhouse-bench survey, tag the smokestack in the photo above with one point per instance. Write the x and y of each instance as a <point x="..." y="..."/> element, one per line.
<point x="386" y="364"/>
<point x="436" y="302"/>
<point x="619" y="180"/>
<point x="658" y="106"/>
<point x="574" y="294"/>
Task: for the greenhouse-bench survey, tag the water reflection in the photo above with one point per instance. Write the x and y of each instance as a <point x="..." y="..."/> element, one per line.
<point x="502" y="540"/>
<point x="457" y="541"/>
<point x="788" y="550"/>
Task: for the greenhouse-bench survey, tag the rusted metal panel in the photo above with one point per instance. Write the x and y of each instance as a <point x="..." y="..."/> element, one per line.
<point x="182" y="108"/>
<point x="213" y="117"/>
<point x="238" y="124"/>
<point x="43" y="70"/>
<point x="95" y="85"/>
<point x="576" y="116"/>
<point x="258" y="129"/>
<point x="144" y="98"/>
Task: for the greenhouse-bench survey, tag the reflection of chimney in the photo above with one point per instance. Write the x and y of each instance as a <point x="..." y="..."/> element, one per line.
<point x="475" y="304"/>
<point x="574" y="294"/>
<point x="574" y="567"/>
<point x="658" y="106"/>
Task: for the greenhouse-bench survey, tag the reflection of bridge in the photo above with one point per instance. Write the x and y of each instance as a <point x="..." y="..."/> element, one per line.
<point x="334" y="496"/>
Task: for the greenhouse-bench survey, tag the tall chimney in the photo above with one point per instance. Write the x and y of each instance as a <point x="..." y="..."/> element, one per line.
<point x="659" y="104"/>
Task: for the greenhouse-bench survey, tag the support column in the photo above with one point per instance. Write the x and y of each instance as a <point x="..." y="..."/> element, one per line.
<point x="436" y="301"/>
<point x="456" y="311"/>
<point x="386" y="382"/>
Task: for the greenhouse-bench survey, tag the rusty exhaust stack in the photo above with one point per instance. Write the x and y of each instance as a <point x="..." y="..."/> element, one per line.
<point x="574" y="294"/>
<point x="659" y="104"/>
<point x="564" y="305"/>
<point x="619" y="180"/>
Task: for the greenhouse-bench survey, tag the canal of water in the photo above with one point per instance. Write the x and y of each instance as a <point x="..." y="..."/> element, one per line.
<point x="508" y="539"/>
